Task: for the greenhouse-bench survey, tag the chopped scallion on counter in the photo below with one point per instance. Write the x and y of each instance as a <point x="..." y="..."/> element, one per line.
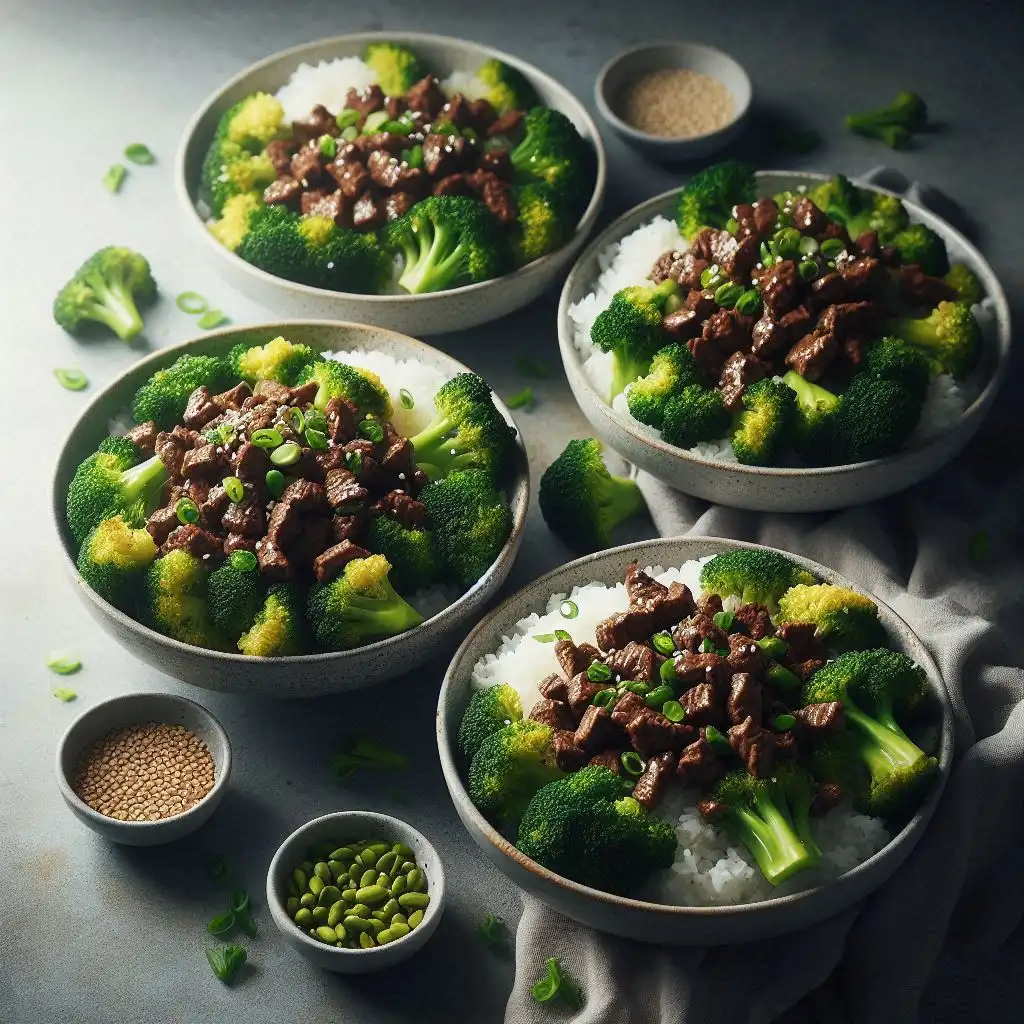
<point x="192" y="303"/>
<point x="521" y="399"/>
<point x="71" y="378"/>
<point x="63" y="664"/>
<point x="114" y="178"/>
<point x="219" y="870"/>
<point x="211" y="318"/>
<point x="64" y="694"/>
<point x="140" y="153"/>
<point x="553" y="984"/>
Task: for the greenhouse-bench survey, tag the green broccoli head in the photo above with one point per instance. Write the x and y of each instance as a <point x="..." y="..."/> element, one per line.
<point x="235" y="593"/>
<point x="508" y="88"/>
<point x="860" y="209"/>
<point x="359" y="607"/>
<point x="279" y="359"/>
<point x="893" y="359"/>
<point x="242" y="175"/>
<point x="446" y="242"/>
<point x="837" y="197"/>
<point x="339" y="380"/>
<point x="467" y="432"/>
<point x="470" y="522"/>
<point x="754" y="575"/>
<point x="553" y="151"/>
<point x="581" y="501"/>
<point x="398" y="69"/>
<point x="113" y="558"/>
<point x="919" y="244"/>
<point x="814" y="408"/>
<point x="174" y="601"/>
<point x="891" y="124"/>
<point x="672" y="369"/>
<point x="630" y="329"/>
<point x="949" y="336"/>
<point x="845" y="620"/>
<point x="165" y="395"/>
<point x="965" y="283"/>
<point x="769" y="407"/>
<point x="411" y="552"/>
<point x="708" y="199"/>
<point x="544" y="222"/>
<point x="875" y="417"/>
<point x="488" y="712"/>
<point x="279" y="628"/>
<point x="585" y="828"/>
<point x="233" y="224"/>
<point x="109" y="288"/>
<point x="695" y="414"/>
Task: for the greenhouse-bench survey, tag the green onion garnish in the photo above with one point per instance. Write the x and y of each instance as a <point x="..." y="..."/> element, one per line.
<point x="211" y="318"/>
<point x="350" y="133"/>
<point x="749" y="303"/>
<point x="413" y="156"/>
<point x="632" y="762"/>
<point x="831" y="248"/>
<point x="599" y="672"/>
<point x="780" y="676"/>
<point x="243" y="560"/>
<point x="659" y="695"/>
<point x="62" y="693"/>
<point x="635" y="686"/>
<point x="405" y="399"/>
<point x="192" y="303"/>
<point x="766" y="256"/>
<point x="114" y="178"/>
<point x="808" y="246"/>
<point x="63" y="665"/>
<point x="275" y="482"/>
<point x="139" y="153"/>
<point x="569" y="609"/>
<point x="316" y="438"/>
<point x="807" y="269"/>
<point x="732" y="225"/>
<point x="222" y="924"/>
<point x="186" y="510"/>
<point x="717" y="739"/>
<point x="316" y="419"/>
<point x="227" y="963"/>
<point x="354" y="462"/>
<point x="328" y="146"/>
<point x="723" y="620"/>
<point x="562" y="634"/>
<point x="521" y="400"/>
<point x="235" y="489"/>
<point x="545" y="638"/>
<point x="286" y="455"/>
<point x="667" y="672"/>
<point x="218" y="869"/>
<point x="71" y="378"/>
<point x="663" y="643"/>
<point x="529" y="366"/>
<point x="783" y="722"/>
<point x="773" y="646"/>
<point x="728" y="294"/>
<point x="707" y="645"/>
<point x="603" y="698"/>
<point x="673" y="711"/>
<point x="711" y="277"/>
<point x="266" y="437"/>
<point x="293" y="418"/>
<point x="347" y="119"/>
<point x="371" y="430"/>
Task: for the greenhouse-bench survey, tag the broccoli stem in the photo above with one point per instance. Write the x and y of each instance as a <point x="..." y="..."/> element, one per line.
<point x="619" y="499"/>
<point x="385" y="616"/>
<point x="117" y="307"/>
<point x="811" y="396"/>
<point x="140" y="484"/>
<point x="429" y="448"/>
<point x="883" y="747"/>
<point x="625" y="371"/>
<point x="432" y="268"/>
<point x="774" y="843"/>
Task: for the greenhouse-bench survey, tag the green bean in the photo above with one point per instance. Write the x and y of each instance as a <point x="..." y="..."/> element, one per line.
<point x="316" y="884"/>
<point x="416" y="880"/>
<point x="307" y="900"/>
<point x="413" y="900"/>
<point x="399" y="885"/>
<point x="342" y="853"/>
<point x="326" y="934"/>
<point x="372" y="894"/>
<point x="322" y="871"/>
<point x="336" y="913"/>
<point x="304" y="918"/>
<point x="366" y="940"/>
<point x="329" y="895"/>
<point x="320" y="915"/>
<point x="415" y="917"/>
<point x="368" y="877"/>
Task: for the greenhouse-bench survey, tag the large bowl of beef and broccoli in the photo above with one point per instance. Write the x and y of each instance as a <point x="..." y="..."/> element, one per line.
<point x="695" y="740"/>
<point x="784" y="341"/>
<point x="417" y="182"/>
<point x="291" y="509"/>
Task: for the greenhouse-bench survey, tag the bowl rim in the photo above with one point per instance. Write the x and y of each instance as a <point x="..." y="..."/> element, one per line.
<point x="646" y="552"/>
<point x="604" y="103"/>
<point x="583" y="225"/>
<point x="518" y="490"/>
<point x="373" y="819"/>
<point x="615" y="231"/>
<point x="104" y="821"/>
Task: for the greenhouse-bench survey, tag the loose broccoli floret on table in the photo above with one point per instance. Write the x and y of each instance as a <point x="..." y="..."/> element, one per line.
<point x="581" y="501"/>
<point x="279" y="629"/>
<point x="892" y="124"/>
<point x="845" y="620"/>
<point x="174" y="601"/>
<point x="109" y="288"/>
<point x="508" y="88"/>
<point x="113" y="558"/>
<point x="764" y="423"/>
<point x="965" y="283"/>
<point x="488" y="712"/>
<point x="672" y="369"/>
<point x="753" y="575"/>
<point x="279" y="359"/>
<point x="398" y="68"/>
<point x="544" y="221"/>
<point x="919" y="244"/>
<point x="949" y="336"/>
<point x="234" y="595"/>
<point x="339" y="380"/>
<point x="165" y="395"/>
<point x="412" y="553"/>
<point x="695" y="414"/>
<point x="708" y="199"/>
<point x="553" y="151"/>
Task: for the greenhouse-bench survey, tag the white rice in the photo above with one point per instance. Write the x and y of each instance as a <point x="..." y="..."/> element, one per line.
<point x="327" y="83"/>
<point x="710" y="868"/>
<point x="629" y="261"/>
<point x="464" y="82"/>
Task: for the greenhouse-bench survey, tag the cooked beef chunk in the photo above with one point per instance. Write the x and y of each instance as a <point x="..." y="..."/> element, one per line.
<point x="573" y="659"/>
<point x="596" y="730"/>
<point x="755" y="746"/>
<point x="698" y="766"/>
<point x="754" y="620"/>
<point x="739" y="371"/>
<point x="306" y="496"/>
<point x="610" y="759"/>
<point x="682" y="325"/>
<point x="251" y="462"/>
<point x="320" y="121"/>
<point x="813" y="354"/>
<point x="481" y="115"/>
<point x="494" y="193"/>
<point x="617" y="630"/>
<point x="626" y="708"/>
<point x="569" y="755"/>
<point x="245" y="517"/>
<point x="508" y="125"/>
<point x="343" y="490"/>
<point x="643" y="590"/>
<point x="786" y="747"/>
<point x="821" y="718"/>
<point x="344" y="527"/>
<point x="666" y="611"/>
<point x="728" y="330"/>
<point x="692" y="669"/>
<point x="554" y="687"/>
<point x="921" y="290"/>
<point x="710" y="604"/>
<point x="390" y="172"/>
<point x="236" y="542"/>
<point x="331" y="205"/>
<point x="160" y="524"/>
<point x="650" y="732"/>
<point x="555" y="713"/>
<point x="399" y="506"/>
<point x="807" y="218"/>
<point x="368" y="212"/>
<point x="735" y="256"/>
<point x="283" y="524"/>
<point x="452" y="185"/>
<point x="280" y="152"/>
<point x="863" y="279"/>
<point x="330" y="563"/>
<point x="801" y="641"/>
<point x="382" y="142"/>
<point x="205" y="463"/>
<point x="365" y="101"/>
<point x="212" y="510"/>
<point x="426" y="97"/>
<point x="758" y="219"/>
<point x="284" y="190"/>
<point x="274" y="565"/>
<point x="700" y="627"/>
<point x="398" y="455"/>
<point x="684" y="268"/>
<point x="171" y="447"/>
<point x="272" y="391"/>
<point x="498" y="162"/>
<point x="233" y="398"/>
<point x="144" y="436"/>
<point x="398" y="204"/>
<point x="352" y="177"/>
<point x="308" y="166"/>
<point x="803" y="670"/>
<point x="443" y="154"/>
<point x="780" y="288"/>
<point x="193" y="539"/>
<point x="851" y="318"/>
<point x="651" y="784"/>
<point x="702" y="705"/>
<point x="635" y="661"/>
<point x="827" y="796"/>
<point x="579" y="693"/>
<point x="744" y="654"/>
<point x="342" y="419"/>
<point x="744" y="699"/>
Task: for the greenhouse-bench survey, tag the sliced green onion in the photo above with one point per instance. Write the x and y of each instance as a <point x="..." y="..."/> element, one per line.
<point x="667" y="672"/>
<point x="316" y="439"/>
<point x="783" y="722"/>
<point x="727" y="295"/>
<point x="603" y="698"/>
<point x="749" y="303"/>
<point x="266" y="437"/>
<point x="139" y="153"/>
<point x="192" y="303"/>
<point x="354" y="462"/>
<point x="773" y="646"/>
<point x="444" y="127"/>
<point x="808" y="246"/>
<point x="807" y="269"/>
<point x="374" y="121"/>
<point x="766" y="256"/>
<point x="659" y="695"/>
<point x="405" y="399"/>
<point x="469" y="134"/>
<point x="186" y="510"/>
<point x="663" y="643"/>
<point x="63" y="665"/>
<point x="496" y="143"/>
<point x="371" y="430"/>
<point x="247" y="924"/>
<point x="673" y="711"/>
<point x="528" y="366"/>
<point x="635" y="686"/>
<point x="545" y="638"/>
<point x="211" y="318"/>
<point x="350" y="134"/>
<point x="710" y="276"/>
<point x="707" y="645"/>
<point x="780" y="676"/>
<point x="71" y="378"/>
<point x="244" y="561"/>
<point x="521" y="399"/>
<point x="831" y="248"/>
<point x="293" y="418"/>
<point x="732" y="225"/>
<point x="569" y="609"/>
<point x="774" y="250"/>
<point x="599" y="672"/>
<point x="723" y="620"/>
<point x="286" y="455"/>
<point x="717" y="740"/>
<point x="347" y="119"/>
<point x="64" y="694"/>
<point x="328" y="146"/>
<point x="275" y="482"/>
<point x="722" y="652"/>
<point x="632" y="762"/>
<point x="562" y="634"/>
<point x="234" y="487"/>
<point x="114" y="178"/>
<point x="222" y="924"/>
<point x="788" y="242"/>
<point x="396" y="127"/>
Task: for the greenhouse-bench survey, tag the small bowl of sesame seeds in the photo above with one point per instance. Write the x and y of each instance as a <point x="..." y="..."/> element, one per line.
<point x="674" y="101"/>
<point x="144" y="768"/>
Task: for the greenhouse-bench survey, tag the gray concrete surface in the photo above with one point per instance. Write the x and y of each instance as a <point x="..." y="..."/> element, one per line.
<point x="94" y="934"/>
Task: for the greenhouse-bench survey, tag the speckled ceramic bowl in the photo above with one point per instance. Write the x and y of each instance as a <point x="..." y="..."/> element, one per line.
<point x="305" y="675"/>
<point x="772" y="489"/>
<point x="432" y="313"/>
<point x="635" y="918"/>
<point x="351" y="826"/>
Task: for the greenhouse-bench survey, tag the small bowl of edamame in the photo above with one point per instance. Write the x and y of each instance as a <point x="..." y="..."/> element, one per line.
<point x="356" y="891"/>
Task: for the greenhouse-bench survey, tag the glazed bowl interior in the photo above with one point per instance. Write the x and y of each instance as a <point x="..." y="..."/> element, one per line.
<point x="300" y="675"/>
<point x="777" y="488"/>
<point x="637" y="918"/>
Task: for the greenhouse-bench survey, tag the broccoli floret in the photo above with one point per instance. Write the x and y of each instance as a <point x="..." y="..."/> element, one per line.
<point x="581" y="501"/>
<point x="770" y="817"/>
<point x="553" y="151"/>
<point x="814" y="406"/>
<point x="165" y="395"/>
<point x="112" y="482"/>
<point x="630" y="328"/>
<point x="279" y="629"/>
<point x="965" y="283"/>
<point x="949" y="336"/>
<point x="174" y="602"/>
<point x="470" y="522"/>
<point x="508" y="89"/>
<point x="874" y="687"/>
<point x="708" y="199"/>
<point x="874" y="418"/>
<point x="837" y="197"/>
<point x="112" y="559"/>
<point x="244" y="175"/>
<point x="696" y="414"/>
<point x="754" y="575"/>
<point x="467" y="432"/>
<point x="359" y="607"/>
<point x="398" y="69"/>
<point x="919" y="244"/>
<point x="108" y="288"/>
<point x="586" y="829"/>
<point x="672" y="369"/>
<point x="339" y="380"/>
<point x="893" y="359"/>
<point x="845" y="620"/>
<point x="446" y="242"/>
<point x="234" y="596"/>
<point x="233" y="224"/>
<point x="768" y="410"/>
<point x="859" y="209"/>
<point x="892" y="124"/>
<point x="412" y="553"/>
<point x="544" y="221"/>
<point x="279" y="360"/>
<point x="488" y="712"/>
<point x="509" y="767"/>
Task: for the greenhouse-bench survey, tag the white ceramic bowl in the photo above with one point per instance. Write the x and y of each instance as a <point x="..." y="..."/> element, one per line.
<point x="635" y="918"/>
<point x="776" y="489"/>
<point x="138" y="709"/>
<point x="343" y="827"/>
<point x="432" y="313"/>
<point x="631" y="64"/>
<point x="307" y="675"/>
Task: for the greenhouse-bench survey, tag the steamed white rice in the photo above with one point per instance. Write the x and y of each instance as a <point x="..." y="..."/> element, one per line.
<point x="629" y="261"/>
<point x="327" y="83"/>
<point x="710" y="868"/>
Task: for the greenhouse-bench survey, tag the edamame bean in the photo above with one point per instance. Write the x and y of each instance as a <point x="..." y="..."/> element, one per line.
<point x="338" y="870"/>
<point x="329" y="895"/>
<point x="342" y="853"/>
<point x="387" y="862"/>
<point x="326" y="934"/>
<point x="374" y="925"/>
<point x="366" y="940"/>
<point x="320" y="915"/>
<point x="413" y="900"/>
<point x="389" y="909"/>
<point x="304" y="917"/>
<point x="367" y="858"/>
<point x="355" y="924"/>
<point x="398" y="929"/>
<point x="360" y="910"/>
<point x="383" y="880"/>
<point x="322" y="871"/>
<point x="396" y="871"/>
<point x="399" y="885"/>
<point x="407" y="866"/>
<point x="404" y="850"/>
<point x="372" y="894"/>
<point x="291" y="888"/>
<point x="307" y="900"/>
<point x="292" y="905"/>
<point x="385" y="936"/>
<point x="336" y="913"/>
<point x="415" y="917"/>
<point x="316" y="884"/>
<point x="379" y="847"/>
<point x="301" y="879"/>
<point x="307" y="867"/>
<point x="349" y="895"/>
<point x="400" y="918"/>
<point x="368" y="877"/>
<point x="415" y="880"/>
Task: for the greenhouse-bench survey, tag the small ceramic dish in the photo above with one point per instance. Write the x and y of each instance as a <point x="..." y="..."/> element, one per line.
<point x="636" y="918"/>
<point x="306" y="675"/>
<point x="350" y="826"/>
<point x="778" y="488"/>
<point x="434" y="312"/>
<point x="627" y="67"/>
<point x="139" y="709"/>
